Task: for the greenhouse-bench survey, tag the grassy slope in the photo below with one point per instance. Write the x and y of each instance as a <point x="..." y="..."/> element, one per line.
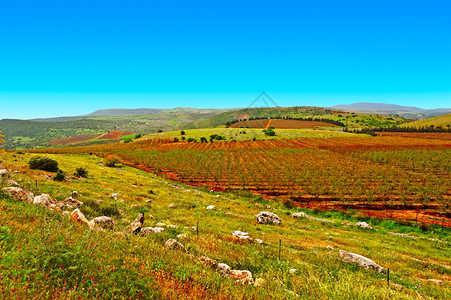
<point x="442" y="121"/>
<point x="250" y="133"/>
<point x="109" y="265"/>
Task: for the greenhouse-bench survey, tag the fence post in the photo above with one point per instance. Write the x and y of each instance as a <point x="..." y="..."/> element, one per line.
<point x="388" y="277"/>
<point x="197" y="228"/>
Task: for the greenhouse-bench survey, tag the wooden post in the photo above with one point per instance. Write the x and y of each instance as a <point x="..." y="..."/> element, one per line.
<point x="197" y="228"/>
<point x="388" y="277"/>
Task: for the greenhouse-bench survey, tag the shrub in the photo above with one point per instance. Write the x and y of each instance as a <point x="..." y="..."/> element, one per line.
<point x="183" y="138"/>
<point x="81" y="172"/>
<point x="203" y="140"/>
<point x="110" y="161"/>
<point x="182" y="132"/>
<point x="176" y="140"/>
<point x="270" y="132"/>
<point x="59" y="176"/>
<point x="43" y="163"/>
<point x="191" y="140"/>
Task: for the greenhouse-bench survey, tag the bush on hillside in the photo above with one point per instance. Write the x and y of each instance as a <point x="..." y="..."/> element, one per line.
<point x="81" y="172"/>
<point x="43" y="163"/>
<point x="110" y="161"/>
<point x="59" y="176"/>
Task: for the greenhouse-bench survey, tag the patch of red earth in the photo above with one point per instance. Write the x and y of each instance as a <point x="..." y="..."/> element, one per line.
<point x="282" y="124"/>
<point x="73" y="140"/>
<point x="113" y="135"/>
<point x="417" y="213"/>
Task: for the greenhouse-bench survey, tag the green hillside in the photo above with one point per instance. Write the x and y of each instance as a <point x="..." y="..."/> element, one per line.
<point x="440" y="121"/>
<point x="353" y="120"/>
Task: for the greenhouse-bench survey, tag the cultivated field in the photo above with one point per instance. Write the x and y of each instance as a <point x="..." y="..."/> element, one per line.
<point x="390" y="176"/>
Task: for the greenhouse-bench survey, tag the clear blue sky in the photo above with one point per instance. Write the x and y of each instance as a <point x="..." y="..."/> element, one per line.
<point x="74" y="56"/>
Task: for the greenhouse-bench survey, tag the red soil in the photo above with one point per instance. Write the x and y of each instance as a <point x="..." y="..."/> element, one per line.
<point x="113" y="135"/>
<point x="73" y="140"/>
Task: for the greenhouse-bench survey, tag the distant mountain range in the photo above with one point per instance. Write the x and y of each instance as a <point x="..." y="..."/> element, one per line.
<point x="383" y="108"/>
<point x="148" y="111"/>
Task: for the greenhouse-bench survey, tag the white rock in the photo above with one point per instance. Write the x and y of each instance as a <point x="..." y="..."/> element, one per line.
<point x="11" y="182"/>
<point x="265" y="217"/>
<point x="173" y="244"/>
<point x="258" y="241"/>
<point x="208" y="261"/>
<point x="362" y="261"/>
<point x="436" y="281"/>
<point x="75" y="194"/>
<point x="241" y="276"/>
<point x="330" y="247"/>
<point x="136" y="225"/>
<point x="3" y="173"/>
<point x="103" y="222"/>
<point x="150" y="216"/>
<point x="223" y="268"/>
<point x="172" y="226"/>
<point x="150" y="230"/>
<point x="181" y="236"/>
<point x="364" y="225"/>
<point x="160" y="225"/>
<point x="241" y="235"/>
<point x="300" y="215"/>
<point x="293" y="271"/>
<point x="211" y="207"/>
<point x="19" y="194"/>
<point x="172" y="205"/>
<point x="114" y="196"/>
<point x="43" y="200"/>
<point x="218" y="196"/>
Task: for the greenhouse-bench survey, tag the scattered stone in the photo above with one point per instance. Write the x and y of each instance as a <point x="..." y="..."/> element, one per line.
<point x="181" y="236"/>
<point x="43" y="200"/>
<point x="218" y="196"/>
<point x="241" y="235"/>
<point x="193" y="228"/>
<point x="149" y="201"/>
<point x="135" y="226"/>
<point x="103" y="222"/>
<point x="436" y="281"/>
<point x="291" y="293"/>
<point x="304" y="215"/>
<point x="402" y="234"/>
<point x="114" y="196"/>
<point x="364" y="225"/>
<point x="172" y="226"/>
<point x="75" y="194"/>
<point x="347" y="223"/>
<point x="241" y="276"/>
<point x="149" y="230"/>
<point x="66" y="213"/>
<point x="211" y="207"/>
<point x="3" y="173"/>
<point x="160" y="225"/>
<point x="300" y="215"/>
<point x="265" y="217"/>
<point x="259" y="282"/>
<point x="150" y="216"/>
<point x="12" y="183"/>
<point x="330" y="247"/>
<point x="362" y="261"/>
<point x="72" y="203"/>
<point x="173" y="244"/>
<point x="268" y="207"/>
<point x="223" y="268"/>
<point x="19" y="194"/>
<point x="172" y="205"/>
<point x="78" y="217"/>
<point x="258" y="241"/>
<point x="293" y="271"/>
<point x="134" y="205"/>
<point x="208" y="261"/>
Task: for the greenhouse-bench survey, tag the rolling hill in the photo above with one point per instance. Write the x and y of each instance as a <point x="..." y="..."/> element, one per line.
<point x="440" y="121"/>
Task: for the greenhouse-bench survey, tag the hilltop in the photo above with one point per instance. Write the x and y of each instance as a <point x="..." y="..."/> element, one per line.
<point x="409" y="112"/>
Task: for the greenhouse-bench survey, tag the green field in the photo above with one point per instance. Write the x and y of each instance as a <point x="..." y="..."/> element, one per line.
<point x="440" y="121"/>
